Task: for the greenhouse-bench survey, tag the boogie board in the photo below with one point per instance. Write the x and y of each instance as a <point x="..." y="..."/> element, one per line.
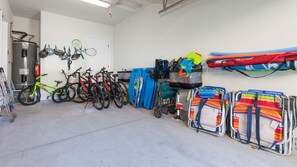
<point x="148" y="93"/>
<point x="136" y="73"/>
<point x="138" y="82"/>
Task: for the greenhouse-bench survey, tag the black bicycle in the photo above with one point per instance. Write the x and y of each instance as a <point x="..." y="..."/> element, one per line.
<point x="116" y="92"/>
<point x="67" y="92"/>
<point x="87" y="91"/>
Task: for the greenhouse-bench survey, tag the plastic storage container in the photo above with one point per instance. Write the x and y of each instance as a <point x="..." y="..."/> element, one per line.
<point x="124" y="76"/>
<point x="189" y="82"/>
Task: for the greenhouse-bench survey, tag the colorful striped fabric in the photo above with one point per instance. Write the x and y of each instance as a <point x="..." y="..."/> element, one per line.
<point x="236" y="123"/>
<point x="264" y="100"/>
<point x="214" y="103"/>
<point x="278" y="134"/>
<point x="269" y="104"/>
<point x="219" y="119"/>
<point x="275" y="115"/>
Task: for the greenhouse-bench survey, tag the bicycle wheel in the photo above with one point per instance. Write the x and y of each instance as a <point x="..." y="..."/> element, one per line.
<point x="83" y="92"/>
<point x="62" y="94"/>
<point x="29" y="96"/>
<point x="68" y="94"/>
<point x="125" y="92"/>
<point x="97" y="96"/>
<point x="80" y="94"/>
<point x="118" y="95"/>
<point x="106" y="95"/>
<point x="57" y="93"/>
<point x="71" y="93"/>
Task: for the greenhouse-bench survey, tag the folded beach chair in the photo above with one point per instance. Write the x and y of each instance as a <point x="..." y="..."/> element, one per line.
<point x="208" y="110"/>
<point x="292" y="101"/>
<point x="263" y="119"/>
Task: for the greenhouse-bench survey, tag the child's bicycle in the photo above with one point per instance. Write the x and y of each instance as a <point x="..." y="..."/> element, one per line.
<point x="31" y="94"/>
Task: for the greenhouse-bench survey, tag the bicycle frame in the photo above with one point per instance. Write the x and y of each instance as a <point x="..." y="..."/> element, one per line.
<point x="43" y="86"/>
<point x="81" y="81"/>
<point x="108" y="80"/>
<point x="87" y="79"/>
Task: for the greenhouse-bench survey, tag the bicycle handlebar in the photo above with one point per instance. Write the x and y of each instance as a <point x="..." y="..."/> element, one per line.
<point x="78" y="69"/>
<point x="103" y="70"/>
<point x="89" y="69"/>
<point x="75" y="72"/>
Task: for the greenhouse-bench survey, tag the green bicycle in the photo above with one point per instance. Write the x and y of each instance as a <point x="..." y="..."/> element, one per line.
<point x="30" y="95"/>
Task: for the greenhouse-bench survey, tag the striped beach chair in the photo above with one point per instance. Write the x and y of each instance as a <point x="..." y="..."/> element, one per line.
<point x="208" y="110"/>
<point x="263" y="119"/>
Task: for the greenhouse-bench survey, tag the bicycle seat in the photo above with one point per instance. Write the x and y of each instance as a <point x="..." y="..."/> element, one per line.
<point x="58" y="82"/>
<point x="115" y="75"/>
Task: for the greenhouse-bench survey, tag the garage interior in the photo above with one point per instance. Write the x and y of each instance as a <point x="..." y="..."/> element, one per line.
<point x="148" y="83"/>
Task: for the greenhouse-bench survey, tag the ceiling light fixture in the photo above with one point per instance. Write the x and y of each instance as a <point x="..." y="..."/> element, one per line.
<point x="98" y="3"/>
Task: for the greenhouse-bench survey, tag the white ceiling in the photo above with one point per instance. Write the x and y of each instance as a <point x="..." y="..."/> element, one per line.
<point x="121" y="9"/>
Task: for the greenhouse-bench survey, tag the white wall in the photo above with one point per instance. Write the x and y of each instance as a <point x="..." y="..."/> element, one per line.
<point x="5" y="41"/>
<point x="61" y="30"/>
<point x="205" y="26"/>
<point x="4" y="5"/>
<point x="29" y="26"/>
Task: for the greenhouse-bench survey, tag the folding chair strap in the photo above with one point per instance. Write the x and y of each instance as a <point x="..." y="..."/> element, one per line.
<point x="258" y="127"/>
<point x="198" y="115"/>
<point x="249" y="123"/>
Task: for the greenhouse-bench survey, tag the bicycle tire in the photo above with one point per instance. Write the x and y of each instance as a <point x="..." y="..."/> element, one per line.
<point x="68" y="94"/>
<point x="56" y="96"/>
<point x="82" y="93"/>
<point x="77" y="98"/>
<point x="117" y="94"/>
<point x="24" y="95"/>
<point x="126" y="94"/>
<point x="71" y="93"/>
<point x="106" y="95"/>
<point x="97" y="96"/>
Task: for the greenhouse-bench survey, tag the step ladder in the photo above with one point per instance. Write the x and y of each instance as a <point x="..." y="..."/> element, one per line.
<point x="6" y="98"/>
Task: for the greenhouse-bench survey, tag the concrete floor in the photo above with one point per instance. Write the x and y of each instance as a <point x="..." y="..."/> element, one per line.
<point x="67" y="135"/>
